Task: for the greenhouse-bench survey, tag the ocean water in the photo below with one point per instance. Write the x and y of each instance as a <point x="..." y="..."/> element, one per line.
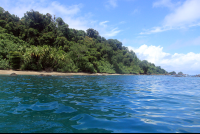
<point x="112" y="104"/>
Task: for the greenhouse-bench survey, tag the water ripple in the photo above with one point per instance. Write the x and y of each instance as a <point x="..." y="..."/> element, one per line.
<point x="99" y="104"/>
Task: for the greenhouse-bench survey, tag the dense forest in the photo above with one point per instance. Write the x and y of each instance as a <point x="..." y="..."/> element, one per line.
<point x="38" y="42"/>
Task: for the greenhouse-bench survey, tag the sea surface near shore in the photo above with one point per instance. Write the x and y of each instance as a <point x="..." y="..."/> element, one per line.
<point x="99" y="104"/>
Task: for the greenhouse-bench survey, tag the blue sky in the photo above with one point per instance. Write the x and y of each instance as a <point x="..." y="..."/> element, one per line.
<point x="164" y="32"/>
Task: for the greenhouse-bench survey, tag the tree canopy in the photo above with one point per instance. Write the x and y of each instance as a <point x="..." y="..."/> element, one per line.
<point x="172" y="73"/>
<point x="38" y="41"/>
<point x="180" y="73"/>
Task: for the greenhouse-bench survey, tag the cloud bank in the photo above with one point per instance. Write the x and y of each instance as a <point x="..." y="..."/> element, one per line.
<point x="187" y="63"/>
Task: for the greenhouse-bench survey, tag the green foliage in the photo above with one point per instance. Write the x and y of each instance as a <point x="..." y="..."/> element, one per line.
<point x="104" y="66"/>
<point x="60" y="41"/>
<point x="150" y="68"/>
<point x="2" y="23"/>
<point x="15" y="59"/>
<point x="4" y="64"/>
<point x="47" y="39"/>
<point x="67" y="66"/>
<point x="180" y="73"/>
<point x="92" y="33"/>
<point x="38" y="42"/>
<point x="144" y="66"/>
<point x="172" y="73"/>
<point x="2" y="10"/>
<point x="11" y="48"/>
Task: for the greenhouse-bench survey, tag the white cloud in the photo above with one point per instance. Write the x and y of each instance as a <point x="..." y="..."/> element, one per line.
<point x="187" y="63"/>
<point x="108" y="31"/>
<point x="71" y="14"/>
<point x="193" y="25"/>
<point x="156" y="30"/>
<point x="188" y="13"/>
<point x="112" y="3"/>
<point x="122" y="22"/>
<point x="165" y="3"/>
<point x="135" y="11"/>
<point x="152" y="53"/>
<point x="103" y="23"/>
<point x="111" y="33"/>
<point x="70" y="10"/>
<point x="183" y="16"/>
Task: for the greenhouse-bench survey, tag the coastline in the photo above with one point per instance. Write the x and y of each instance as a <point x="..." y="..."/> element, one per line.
<point x="8" y="72"/>
<point x="53" y="73"/>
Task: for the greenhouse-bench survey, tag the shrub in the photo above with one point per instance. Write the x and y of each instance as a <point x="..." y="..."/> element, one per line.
<point x="4" y="64"/>
<point x="15" y="59"/>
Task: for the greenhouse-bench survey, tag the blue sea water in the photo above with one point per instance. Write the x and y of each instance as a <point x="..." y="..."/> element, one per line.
<point x="112" y="104"/>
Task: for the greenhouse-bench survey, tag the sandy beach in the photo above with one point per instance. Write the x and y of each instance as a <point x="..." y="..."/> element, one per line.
<point x="8" y="72"/>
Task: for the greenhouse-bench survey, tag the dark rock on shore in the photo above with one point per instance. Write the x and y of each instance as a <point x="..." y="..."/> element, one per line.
<point x="179" y="75"/>
<point x="49" y="69"/>
<point x="45" y="75"/>
<point x="197" y="75"/>
<point x="13" y="74"/>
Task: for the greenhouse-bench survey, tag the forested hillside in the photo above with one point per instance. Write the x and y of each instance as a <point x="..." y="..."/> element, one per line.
<point x="38" y="41"/>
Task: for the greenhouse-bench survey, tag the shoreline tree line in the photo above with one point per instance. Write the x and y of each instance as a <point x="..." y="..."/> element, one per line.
<point x="38" y="42"/>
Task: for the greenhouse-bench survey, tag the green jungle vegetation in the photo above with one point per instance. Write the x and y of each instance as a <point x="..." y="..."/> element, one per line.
<point x="172" y="73"/>
<point x="38" y="42"/>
